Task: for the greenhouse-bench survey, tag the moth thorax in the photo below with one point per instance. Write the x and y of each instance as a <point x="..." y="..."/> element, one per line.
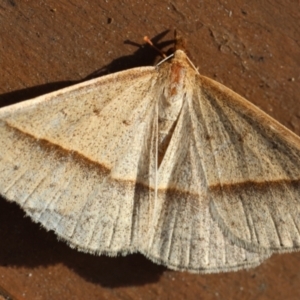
<point x="170" y="105"/>
<point x="175" y="85"/>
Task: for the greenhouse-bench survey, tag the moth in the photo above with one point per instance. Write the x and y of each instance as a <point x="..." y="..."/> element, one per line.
<point x="158" y="160"/>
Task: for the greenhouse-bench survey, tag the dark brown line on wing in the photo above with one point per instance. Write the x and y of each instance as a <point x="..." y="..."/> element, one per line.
<point x="59" y="151"/>
<point x="231" y="188"/>
<point x="254" y="185"/>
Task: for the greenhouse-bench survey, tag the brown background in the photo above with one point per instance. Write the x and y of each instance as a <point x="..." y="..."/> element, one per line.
<point x="252" y="47"/>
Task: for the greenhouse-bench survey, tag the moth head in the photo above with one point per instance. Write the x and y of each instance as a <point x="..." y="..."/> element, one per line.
<point x="180" y="43"/>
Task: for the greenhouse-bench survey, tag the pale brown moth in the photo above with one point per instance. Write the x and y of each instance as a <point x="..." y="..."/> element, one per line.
<point x="157" y="160"/>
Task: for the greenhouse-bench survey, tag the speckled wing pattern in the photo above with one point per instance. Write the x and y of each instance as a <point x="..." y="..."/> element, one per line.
<point x="255" y="186"/>
<point x="161" y="161"/>
<point x="64" y="156"/>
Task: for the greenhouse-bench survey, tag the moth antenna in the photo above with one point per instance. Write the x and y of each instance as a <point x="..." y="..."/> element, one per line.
<point x="148" y="41"/>
<point x="180" y="43"/>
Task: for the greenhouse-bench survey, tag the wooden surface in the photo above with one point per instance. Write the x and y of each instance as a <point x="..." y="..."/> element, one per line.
<point x="252" y="47"/>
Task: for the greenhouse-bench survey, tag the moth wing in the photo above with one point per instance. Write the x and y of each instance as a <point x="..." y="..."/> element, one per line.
<point x="252" y="169"/>
<point x="71" y="160"/>
<point x="185" y="236"/>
